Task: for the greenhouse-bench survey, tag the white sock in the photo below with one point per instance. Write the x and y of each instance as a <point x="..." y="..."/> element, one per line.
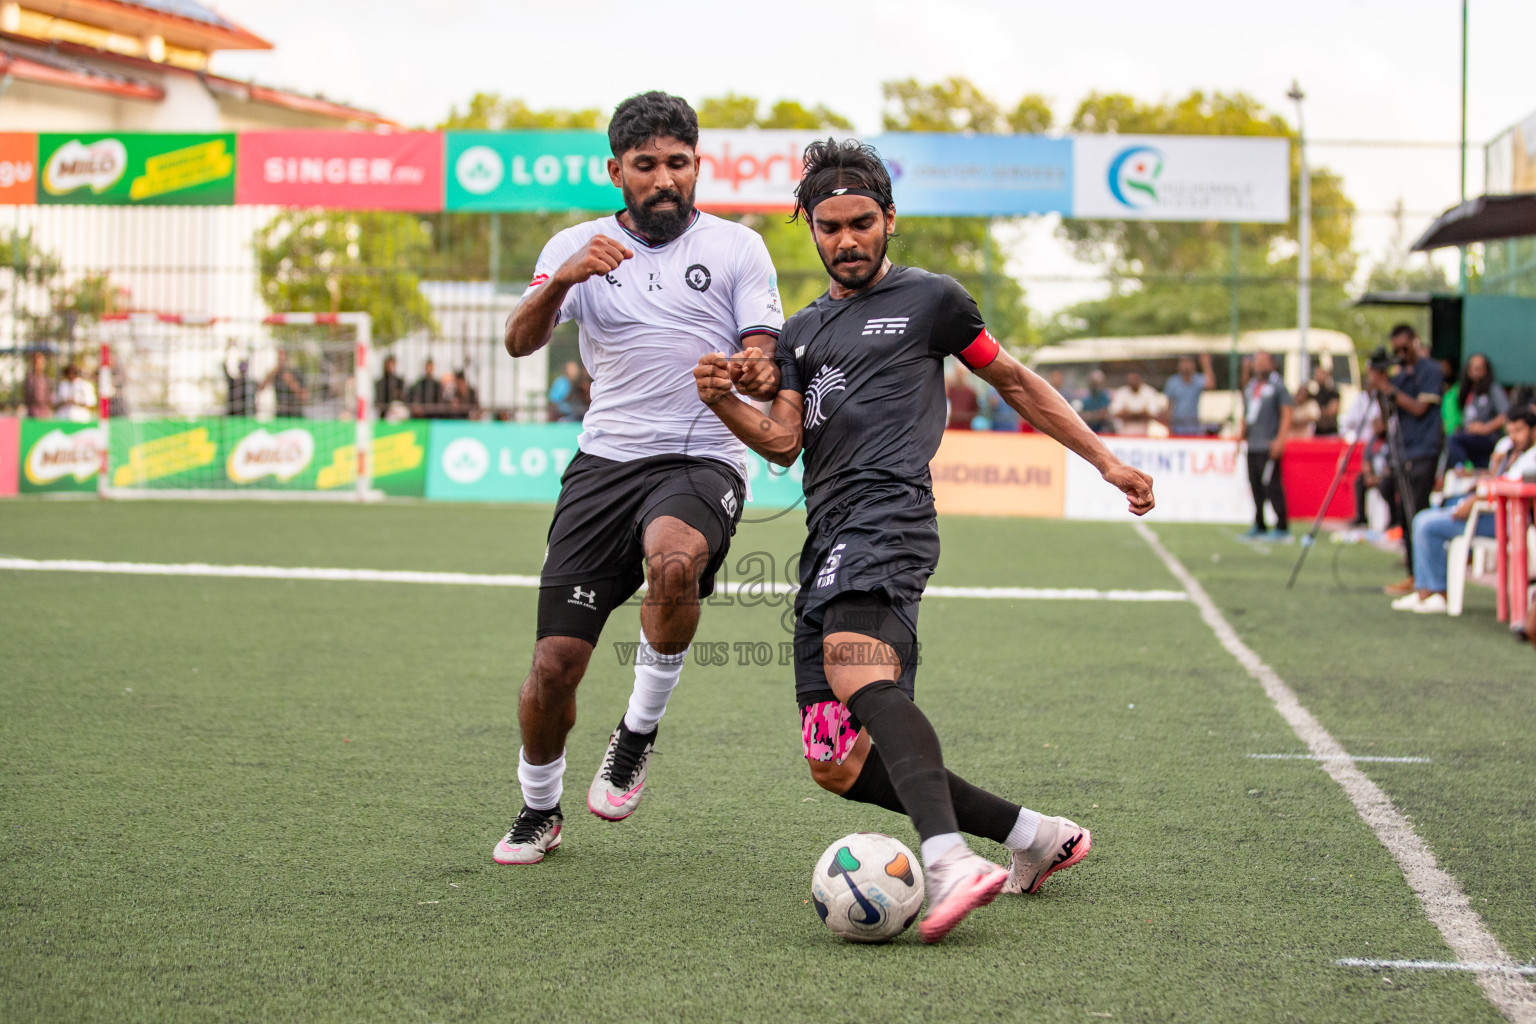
<point x="1024" y="830"/>
<point x="938" y="846"/>
<point x="656" y="676"/>
<point x="542" y="783"/>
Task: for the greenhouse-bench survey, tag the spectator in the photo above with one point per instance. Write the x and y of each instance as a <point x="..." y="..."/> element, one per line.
<point x="569" y="395"/>
<point x="463" y="402"/>
<point x="1450" y="403"/>
<point x="1434" y="528"/>
<point x="1183" y="390"/>
<point x="237" y="381"/>
<point x="1001" y="415"/>
<point x="1266" y="424"/>
<point x="1484" y="405"/>
<point x="1058" y="382"/>
<point x="1135" y="406"/>
<point x="1094" y="406"/>
<point x="426" y="396"/>
<point x="963" y="403"/>
<point x="287" y="387"/>
<point x="37" y="393"/>
<point x="388" y="389"/>
<point x="75" y="399"/>
<point x="1323" y="393"/>
<point x="1414" y="392"/>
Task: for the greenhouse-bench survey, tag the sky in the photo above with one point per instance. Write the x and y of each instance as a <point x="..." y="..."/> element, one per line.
<point x="1372" y="70"/>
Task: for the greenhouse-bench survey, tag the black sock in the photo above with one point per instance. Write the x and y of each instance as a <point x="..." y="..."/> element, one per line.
<point x="977" y="811"/>
<point x="910" y="750"/>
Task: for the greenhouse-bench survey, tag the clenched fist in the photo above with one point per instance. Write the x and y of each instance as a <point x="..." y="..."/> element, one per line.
<point x="601" y="255"/>
<point x="713" y="378"/>
<point x="754" y="374"/>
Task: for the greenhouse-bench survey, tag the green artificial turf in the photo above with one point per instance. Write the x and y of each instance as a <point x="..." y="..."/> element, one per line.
<point x="228" y="799"/>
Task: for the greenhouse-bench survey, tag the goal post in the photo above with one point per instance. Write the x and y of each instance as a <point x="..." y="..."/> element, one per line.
<point x="210" y="407"/>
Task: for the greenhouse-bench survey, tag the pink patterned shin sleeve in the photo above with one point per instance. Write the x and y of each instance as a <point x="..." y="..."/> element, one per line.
<point x="827" y="731"/>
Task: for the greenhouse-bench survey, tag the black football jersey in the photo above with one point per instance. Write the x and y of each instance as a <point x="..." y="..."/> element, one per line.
<point x="871" y="370"/>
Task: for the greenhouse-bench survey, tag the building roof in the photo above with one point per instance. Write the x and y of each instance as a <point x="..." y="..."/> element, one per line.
<point x="76" y="66"/>
<point x="1484" y="219"/>
<point x="184" y="23"/>
<point x="184" y="9"/>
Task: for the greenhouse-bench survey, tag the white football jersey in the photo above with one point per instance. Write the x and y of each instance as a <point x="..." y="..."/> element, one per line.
<point x="645" y="325"/>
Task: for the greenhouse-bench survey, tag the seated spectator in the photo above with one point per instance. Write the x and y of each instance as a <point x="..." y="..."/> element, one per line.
<point x="75" y="399"/>
<point x="1183" y="390"/>
<point x="963" y="403"/>
<point x="463" y="402"/>
<point x="1094" y="406"/>
<point x="1135" y="405"/>
<point x="1434" y="528"/>
<point x="1484" y="405"/>
<point x="1320" y="396"/>
<point x="388" y="389"/>
<point x="569" y="395"/>
<point x="426" y="395"/>
<point x="37" y="392"/>
<point x="1450" y="403"/>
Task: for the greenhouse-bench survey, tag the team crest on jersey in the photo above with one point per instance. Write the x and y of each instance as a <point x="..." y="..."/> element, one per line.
<point x="827" y="380"/>
<point x="697" y="277"/>
<point x="886" y="325"/>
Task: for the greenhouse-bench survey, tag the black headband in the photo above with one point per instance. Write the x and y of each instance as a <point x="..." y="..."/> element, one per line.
<point x="815" y="201"/>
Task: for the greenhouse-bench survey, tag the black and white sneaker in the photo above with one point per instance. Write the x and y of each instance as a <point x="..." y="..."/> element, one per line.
<point x="532" y="835"/>
<point x="620" y="782"/>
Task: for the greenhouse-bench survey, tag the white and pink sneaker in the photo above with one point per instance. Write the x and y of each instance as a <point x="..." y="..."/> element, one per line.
<point x="620" y="782"/>
<point x="958" y="883"/>
<point x="532" y="835"/>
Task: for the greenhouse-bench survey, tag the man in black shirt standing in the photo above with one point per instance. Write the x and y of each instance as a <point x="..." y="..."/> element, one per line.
<point x="1414" y="394"/>
<point x="862" y="394"/>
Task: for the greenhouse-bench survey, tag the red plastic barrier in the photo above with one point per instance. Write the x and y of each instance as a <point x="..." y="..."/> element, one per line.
<point x="1309" y="466"/>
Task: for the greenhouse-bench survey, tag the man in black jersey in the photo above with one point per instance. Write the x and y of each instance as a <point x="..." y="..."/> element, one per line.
<point x="862" y="394"/>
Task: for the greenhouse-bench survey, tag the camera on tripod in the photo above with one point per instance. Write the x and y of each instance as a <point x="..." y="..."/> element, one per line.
<point x="1383" y="360"/>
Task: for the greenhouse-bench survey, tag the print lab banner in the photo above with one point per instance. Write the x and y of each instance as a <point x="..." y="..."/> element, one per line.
<point x="1181" y="177"/>
<point x="1194" y="481"/>
<point x="341" y="170"/>
<point x="137" y="169"/>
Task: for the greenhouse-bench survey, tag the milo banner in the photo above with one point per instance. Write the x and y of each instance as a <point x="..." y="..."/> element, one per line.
<point x="132" y="169"/>
<point x="58" y="456"/>
<point x="283" y="454"/>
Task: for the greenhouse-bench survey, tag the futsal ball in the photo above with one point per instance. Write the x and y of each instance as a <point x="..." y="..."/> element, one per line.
<point x="867" y="887"/>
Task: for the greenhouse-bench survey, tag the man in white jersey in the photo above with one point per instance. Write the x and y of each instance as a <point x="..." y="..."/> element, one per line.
<point x="656" y="490"/>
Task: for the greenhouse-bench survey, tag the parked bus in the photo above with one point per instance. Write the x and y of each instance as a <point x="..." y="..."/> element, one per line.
<point x="1156" y="358"/>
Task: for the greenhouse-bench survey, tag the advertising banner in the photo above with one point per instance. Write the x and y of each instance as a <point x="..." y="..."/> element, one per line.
<point x="341" y="170"/>
<point x="978" y="175"/>
<point x="10" y="454"/>
<point x="137" y="169"/>
<point x="529" y="171"/>
<point x="986" y="474"/>
<point x="1181" y="177"/>
<point x="18" y="168"/>
<point x="1196" y="481"/>
<point x="284" y="454"/>
<point x="471" y="461"/>
<point x="59" y="456"/>
<point x="743" y="171"/>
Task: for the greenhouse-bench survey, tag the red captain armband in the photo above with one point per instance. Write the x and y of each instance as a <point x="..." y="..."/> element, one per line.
<point x="980" y="352"/>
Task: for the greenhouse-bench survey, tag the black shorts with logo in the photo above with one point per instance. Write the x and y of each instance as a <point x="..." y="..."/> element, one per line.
<point x="863" y="570"/>
<point x="595" y="560"/>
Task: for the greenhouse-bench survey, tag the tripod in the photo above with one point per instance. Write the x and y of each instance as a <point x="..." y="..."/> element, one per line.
<point x="1397" y="462"/>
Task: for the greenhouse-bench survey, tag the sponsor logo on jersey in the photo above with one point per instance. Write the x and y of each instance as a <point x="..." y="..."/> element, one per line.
<point x="827" y="380"/>
<point x="886" y="325"/>
<point x="613" y="280"/>
<point x="583" y="598"/>
<point x="651" y="282"/>
<point x="828" y="574"/>
<point x="698" y="277"/>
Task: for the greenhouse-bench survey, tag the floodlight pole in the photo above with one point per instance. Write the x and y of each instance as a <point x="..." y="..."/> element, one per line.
<point x="1461" y="277"/>
<point x="1303" y="238"/>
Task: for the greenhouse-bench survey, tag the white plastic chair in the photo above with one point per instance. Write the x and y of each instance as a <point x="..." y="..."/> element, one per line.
<point x="1480" y="549"/>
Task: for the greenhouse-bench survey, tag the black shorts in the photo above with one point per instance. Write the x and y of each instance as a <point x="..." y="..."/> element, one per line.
<point x="863" y="570"/>
<point x="595" y="560"/>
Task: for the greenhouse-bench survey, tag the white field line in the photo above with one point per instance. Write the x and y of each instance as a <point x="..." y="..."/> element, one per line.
<point x="1342" y="757"/>
<point x="1436" y="965"/>
<point x="1444" y="903"/>
<point x="277" y="572"/>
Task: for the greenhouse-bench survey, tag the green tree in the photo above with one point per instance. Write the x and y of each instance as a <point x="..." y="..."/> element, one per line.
<point x="1172" y="278"/>
<point x="70" y="308"/>
<point x="324" y="261"/>
<point x="964" y="247"/>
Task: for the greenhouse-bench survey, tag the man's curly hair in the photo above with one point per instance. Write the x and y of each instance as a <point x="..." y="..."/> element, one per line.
<point x="848" y="164"/>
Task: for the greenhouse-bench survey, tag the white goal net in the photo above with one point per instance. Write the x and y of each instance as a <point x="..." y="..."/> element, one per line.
<point x="213" y="407"/>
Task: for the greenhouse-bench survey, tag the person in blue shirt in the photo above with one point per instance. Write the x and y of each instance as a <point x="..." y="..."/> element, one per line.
<point x="1094" y="406"/>
<point x="1414" y="392"/>
<point x="1183" y="391"/>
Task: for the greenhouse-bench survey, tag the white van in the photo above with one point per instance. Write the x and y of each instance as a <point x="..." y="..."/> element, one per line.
<point x="1156" y="358"/>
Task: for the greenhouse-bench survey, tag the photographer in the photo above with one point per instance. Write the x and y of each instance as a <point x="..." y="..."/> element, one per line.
<point x="1411" y="397"/>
